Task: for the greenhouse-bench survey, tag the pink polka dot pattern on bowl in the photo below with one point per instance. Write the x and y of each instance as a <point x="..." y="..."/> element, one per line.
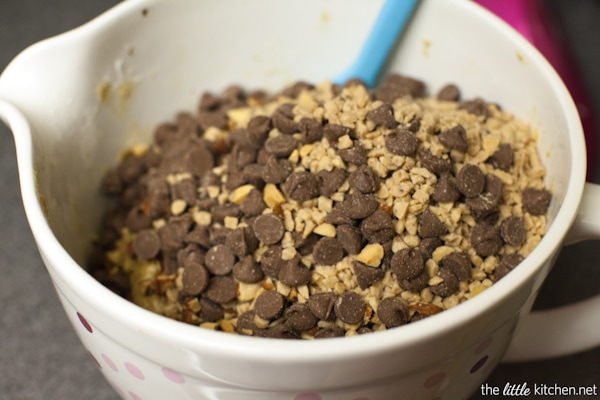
<point x="85" y="324"/>
<point x="434" y="380"/>
<point x="173" y="376"/>
<point x="134" y="396"/>
<point x="479" y="364"/>
<point x="110" y="363"/>
<point x="135" y="371"/>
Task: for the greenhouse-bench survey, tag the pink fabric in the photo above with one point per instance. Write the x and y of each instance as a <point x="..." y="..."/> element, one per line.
<point x="532" y="21"/>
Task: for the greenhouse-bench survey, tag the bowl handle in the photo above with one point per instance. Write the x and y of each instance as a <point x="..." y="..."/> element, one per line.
<point x="571" y="328"/>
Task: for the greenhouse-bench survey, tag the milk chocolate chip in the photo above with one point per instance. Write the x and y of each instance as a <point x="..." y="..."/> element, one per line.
<point x="146" y="244"/>
<point x="350" y="307"/>
<point x="392" y="312"/>
<point x="536" y="201"/>
<point x="401" y="142"/>
<point x="328" y="251"/>
<point x="269" y="304"/>
<point x="485" y="239"/>
<point x="321" y="304"/>
<point x="268" y="228"/>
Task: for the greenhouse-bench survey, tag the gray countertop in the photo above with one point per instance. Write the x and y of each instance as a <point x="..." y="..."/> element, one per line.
<point x="40" y="355"/>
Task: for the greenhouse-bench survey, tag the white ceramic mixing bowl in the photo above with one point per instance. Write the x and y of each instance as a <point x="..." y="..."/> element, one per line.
<point x="159" y="56"/>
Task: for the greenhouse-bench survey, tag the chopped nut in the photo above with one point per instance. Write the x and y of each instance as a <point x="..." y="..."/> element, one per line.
<point x="240" y="193"/>
<point x="178" y="206"/>
<point x="371" y="255"/>
<point x="325" y="230"/>
<point x="272" y="196"/>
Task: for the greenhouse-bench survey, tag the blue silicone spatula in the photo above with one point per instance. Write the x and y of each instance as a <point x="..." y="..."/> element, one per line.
<point x="388" y="26"/>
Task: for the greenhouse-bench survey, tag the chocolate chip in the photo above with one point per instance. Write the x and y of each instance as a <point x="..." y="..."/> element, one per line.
<point x="241" y="241"/>
<point x="269" y="305"/>
<point x="339" y="215"/>
<point x="130" y="169"/>
<point x="378" y="227"/>
<point x="311" y="130"/>
<point x="220" y="211"/>
<point x="293" y="273"/>
<point x="240" y="156"/>
<point x="536" y="201"/>
<point x="283" y="121"/>
<point x="294" y="90"/>
<point x="221" y="289"/>
<point x="482" y="206"/>
<point x="350" y="307"/>
<point x="415" y="284"/>
<point x="305" y="245"/>
<point x="507" y="263"/>
<point x="190" y="253"/>
<point x="210" y="311"/>
<point x="258" y="130"/>
<point x="365" y="275"/>
<point x="172" y="235"/>
<point x="332" y="132"/>
<point x="364" y="179"/>
<point x="494" y="186"/>
<point x="321" y="304"/>
<point x="271" y="261"/>
<point x="513" y="231"/>
<point x="395" y="86"/>
<point x="253" y="204"/>
<point x="470" y="180"/>
<point x="187" y="190"/>
<point x="430" y="225"/>
<point x="245" y="323"/>
<point x="448" y="286"/>
<point x="502" y="157"/>
<point x="330" y="181"/>
<point x="460" y="265"/>
<point x="328" y="251"/>
<point x="476" y="107"/>
<point x="146" y="244"/>
<point x="199" y="235"/>
<point x="401" y="142"/>
<point x="350" y="238"/>
<point x="445" y="190"/>
<point x="276" y="170"/>
<point x="428" y="245"/>
<point x="111" y="183"/>
<point x="392" y="312"/>
<point x="268" y="228"/>
<point x="435" y="164"/>
<point x="455" y="138"/>
<point x="281" y="146"/>
<point x="219" y="260"/>
<point x="485" y="239"/>
<point x="407" y="263"/>
<point x="281" y="331"/>
<point x="300" y="318"/>
<point x="383" y="116"/>
<point x="253" y="174"/>
<point x="301" y="186"/>
<point x="194" y="278"/>
<point x="218" y="234"/>
<point x="413" y="125"/>
<point x="354" y="155"/>
<point x="449" y="92"/>
<point x="358" y="205"/>
<point x="247" y="270"/>
<point x="330" y="331"/>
